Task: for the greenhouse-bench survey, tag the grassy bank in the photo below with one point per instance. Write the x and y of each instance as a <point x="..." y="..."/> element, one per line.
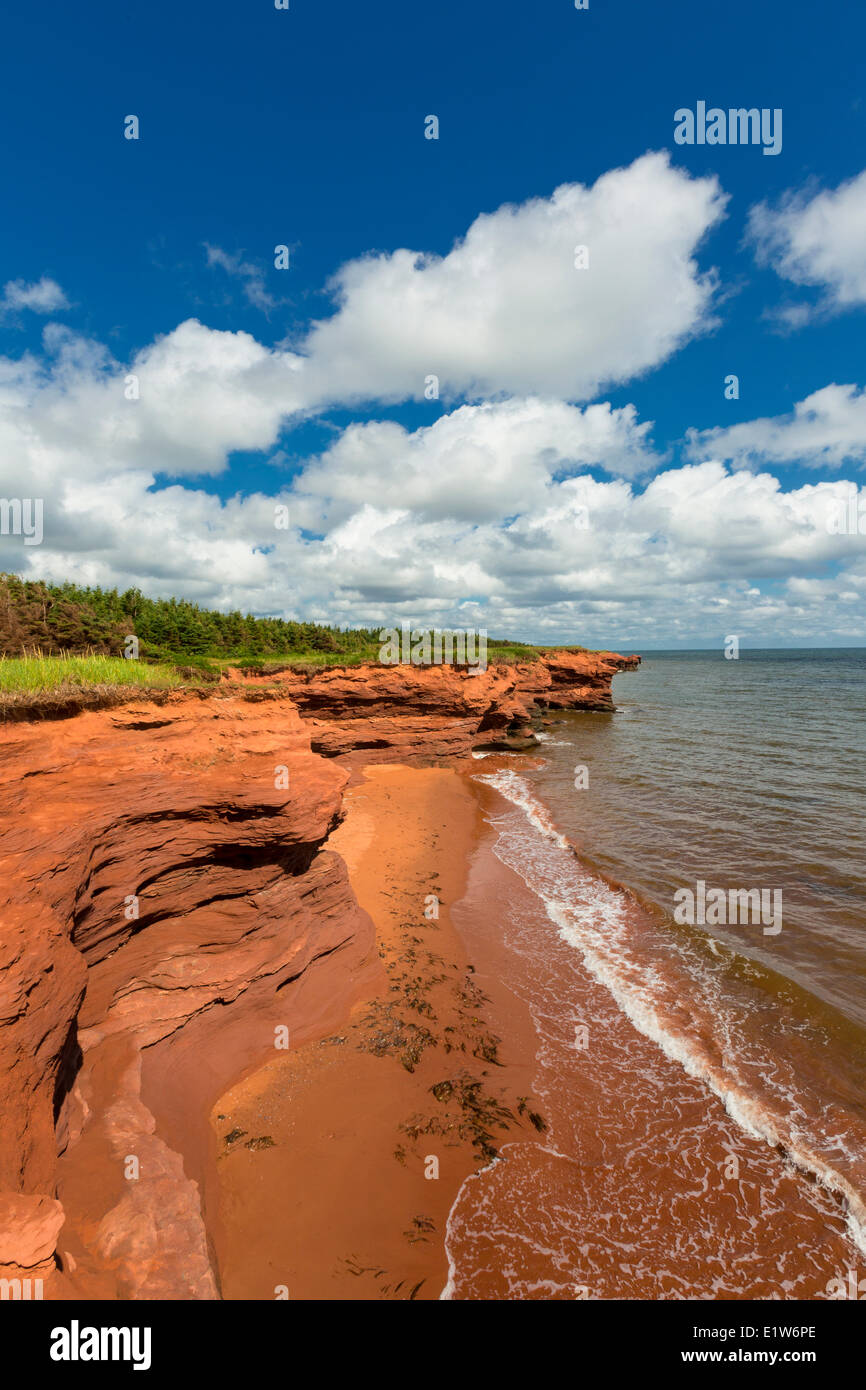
<point x="34" y="673"/>
<point x="61" y="646"/>
<point x="37" y="686"/>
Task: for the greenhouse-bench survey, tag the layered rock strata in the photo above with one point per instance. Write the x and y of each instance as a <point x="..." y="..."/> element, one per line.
<point x="171" y="914"/>
<point x="415" y="712"/>
<point x="168" y="907"/>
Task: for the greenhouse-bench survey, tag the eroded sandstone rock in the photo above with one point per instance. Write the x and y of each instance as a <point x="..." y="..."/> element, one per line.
<point x="164" y="877"/>
<point x="426" y="712"/>
<point x="170" y="907"/>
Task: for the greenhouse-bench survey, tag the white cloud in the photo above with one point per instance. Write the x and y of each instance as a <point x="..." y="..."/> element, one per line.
<point x="477" y="464"/>
<point x="818" y="240"/>
<point x="825" y="430"/>
<point x="487" y="515"/>
<point x="201" y="394"/>
<point x="476" y="519"/>
<point x="40" y="296"/>
<point x="506" y="310"/>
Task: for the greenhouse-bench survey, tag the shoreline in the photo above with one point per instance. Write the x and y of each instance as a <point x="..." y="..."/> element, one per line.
<point x="436" y="939"/>
<point x="429" y="1075"/>
<point x="605" y="1126"/>
<point x="184" y="915"/>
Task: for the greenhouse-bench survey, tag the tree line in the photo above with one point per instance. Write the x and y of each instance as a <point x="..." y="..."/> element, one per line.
<point x="75" y="618"/>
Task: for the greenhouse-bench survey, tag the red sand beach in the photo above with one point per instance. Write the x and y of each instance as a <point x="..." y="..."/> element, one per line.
<point x="636" y="1182"/>
<point x="340" y="1206"/>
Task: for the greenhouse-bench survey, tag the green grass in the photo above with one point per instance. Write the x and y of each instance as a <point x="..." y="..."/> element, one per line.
<point x="37" y="674"/>
<point x="292" y="658"/>
<point x="497" y="650"/>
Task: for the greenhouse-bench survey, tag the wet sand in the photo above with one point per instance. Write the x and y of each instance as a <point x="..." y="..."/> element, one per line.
<point x="365" y="1137"/>
<point x="645" y="1187"/>
<point x="632" y="1181"/>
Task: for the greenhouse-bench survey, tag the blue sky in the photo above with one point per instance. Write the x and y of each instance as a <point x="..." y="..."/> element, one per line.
<point x="305" y="127"/>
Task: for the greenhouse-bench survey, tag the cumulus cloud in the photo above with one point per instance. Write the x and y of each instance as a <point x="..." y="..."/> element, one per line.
<point x="40" y="296"/>
<point x="180" y="406"/>
<point x="700" y="552"/>
<point x="507" y="311"/>
<point x="493" y="514"/>
<point x="504" y="313"/>
<point x="487" y="517"/>
<point x="476" y="464"/>
<point x="818" y="240"/>
<point x="825" y="430"/>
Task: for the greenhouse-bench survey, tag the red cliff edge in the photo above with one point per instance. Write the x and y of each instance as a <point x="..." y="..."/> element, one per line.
<point x="404" y="712"/>
<point x="171" y="914"/>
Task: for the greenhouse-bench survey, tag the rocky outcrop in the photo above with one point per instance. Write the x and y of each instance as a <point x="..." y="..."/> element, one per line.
<point x="169" y="906"/>
<point x="29" y="1225"/>
<point x="428" y="712"/>
<point x="572" y="680"/>
<point x="171" y="914"/>
<point x="397" y="712"/>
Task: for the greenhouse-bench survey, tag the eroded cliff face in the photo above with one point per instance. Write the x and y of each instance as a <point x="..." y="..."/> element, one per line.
<point x="168" y="905"/>
<point x="426" y="712"/>
<point x="171" y="912"/>
<point x="572" y="680"/>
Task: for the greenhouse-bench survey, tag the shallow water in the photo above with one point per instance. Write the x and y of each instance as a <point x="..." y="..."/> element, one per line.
<point x="703" y="1084"/>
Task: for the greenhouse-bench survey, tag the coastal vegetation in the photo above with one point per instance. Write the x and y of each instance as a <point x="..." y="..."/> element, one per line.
<point x="61" y="637"/>
<point x="36" y="671"/>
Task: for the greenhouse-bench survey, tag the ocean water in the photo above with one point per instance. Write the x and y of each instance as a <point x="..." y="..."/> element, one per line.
<point x="703" y="1082"/>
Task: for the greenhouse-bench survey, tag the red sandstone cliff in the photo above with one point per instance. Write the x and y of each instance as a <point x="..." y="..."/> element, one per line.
<point x="169" y="903"/>
<point x="418" y="712"/>
<point x="119" y="1031"/>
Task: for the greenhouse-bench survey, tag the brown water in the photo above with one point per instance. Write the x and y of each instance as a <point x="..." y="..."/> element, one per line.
<point x="703" y="1084"/>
